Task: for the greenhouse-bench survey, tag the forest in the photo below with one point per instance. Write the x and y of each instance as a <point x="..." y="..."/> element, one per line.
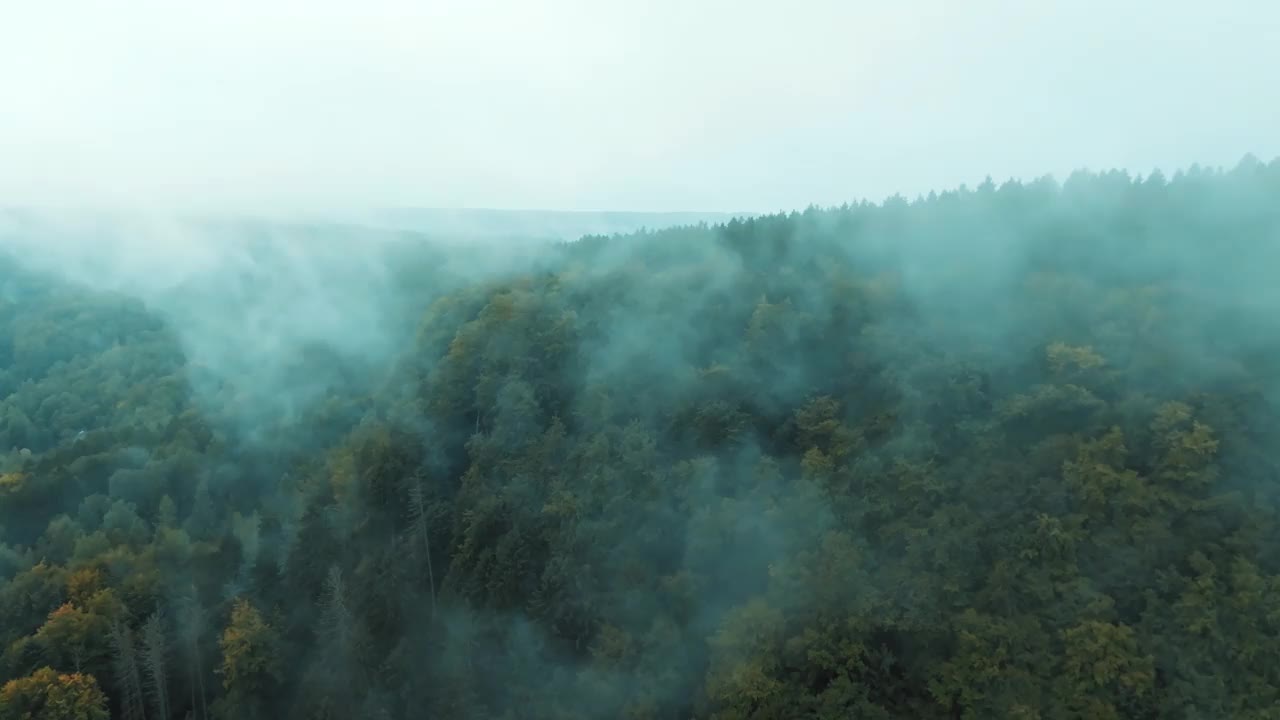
<point x="1004" y="451"/>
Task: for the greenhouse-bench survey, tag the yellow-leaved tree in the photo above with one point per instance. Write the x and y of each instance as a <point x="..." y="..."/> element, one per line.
<point x="49" y="695"/>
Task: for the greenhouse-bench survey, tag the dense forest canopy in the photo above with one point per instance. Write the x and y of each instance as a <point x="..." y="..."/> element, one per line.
<point x="1001" y="452"/>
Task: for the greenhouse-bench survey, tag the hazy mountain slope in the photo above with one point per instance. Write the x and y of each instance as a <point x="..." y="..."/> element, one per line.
<point x="528" y="225"/>
<point x="1000" y="452"/>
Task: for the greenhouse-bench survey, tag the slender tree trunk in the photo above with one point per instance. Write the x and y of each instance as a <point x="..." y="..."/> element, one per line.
<point x="418" y="506"/>
<point x="154" y="660"/>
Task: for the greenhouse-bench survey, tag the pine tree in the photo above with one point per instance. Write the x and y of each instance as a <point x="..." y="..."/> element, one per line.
<point x="153" y="660"/>
<point x="193" y="622"/>
<point x="420" y="530"/>
<point x="335" y="622"/>
<point x="128" y="678"/>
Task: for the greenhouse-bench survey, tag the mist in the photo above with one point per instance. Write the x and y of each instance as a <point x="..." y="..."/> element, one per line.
<point x="585" y="361"/>
<point x="673" y="472"/>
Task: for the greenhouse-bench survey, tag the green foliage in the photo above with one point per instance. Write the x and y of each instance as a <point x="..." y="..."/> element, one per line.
<point x="47" y="695"/>
<point x="1002" y="452"/>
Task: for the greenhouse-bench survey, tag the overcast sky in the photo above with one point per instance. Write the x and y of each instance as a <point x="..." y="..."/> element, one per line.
<point x="595" y="104"/>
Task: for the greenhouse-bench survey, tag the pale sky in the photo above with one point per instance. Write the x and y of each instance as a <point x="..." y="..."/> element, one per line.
<point x="595" y="104"/>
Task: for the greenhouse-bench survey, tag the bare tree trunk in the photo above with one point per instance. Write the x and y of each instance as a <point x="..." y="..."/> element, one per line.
<point x="418" y="508"/>
<point x="128" y="678"/>
<point x="154" y="660"/>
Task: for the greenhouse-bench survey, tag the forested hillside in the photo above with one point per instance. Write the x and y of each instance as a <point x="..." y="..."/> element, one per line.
<point x="1010" y="451"/>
